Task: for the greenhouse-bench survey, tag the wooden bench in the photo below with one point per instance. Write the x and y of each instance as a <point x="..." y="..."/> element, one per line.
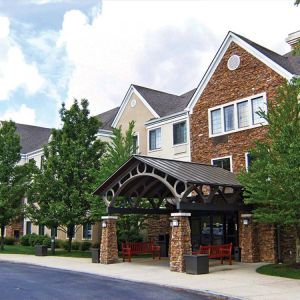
<point x="217" y="251"/>
<point x="130" y="248"/>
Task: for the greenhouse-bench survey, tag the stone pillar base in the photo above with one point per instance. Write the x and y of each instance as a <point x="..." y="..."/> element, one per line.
<point x="180" y="241"/>
<point x="109" y="245"/>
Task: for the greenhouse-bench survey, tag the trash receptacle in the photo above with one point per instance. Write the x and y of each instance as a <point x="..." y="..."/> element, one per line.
<point x="41" y="250"/>
<point x="196" y="264"/>
<point x="237" y="254"/>
<point x="95" y="255"/>
<point x="163" y="242"/>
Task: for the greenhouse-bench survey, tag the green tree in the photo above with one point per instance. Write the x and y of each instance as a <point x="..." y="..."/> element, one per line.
<point x="272" y="184"/>
<point x="14" y="179"/>
<point x="62" y="192"/>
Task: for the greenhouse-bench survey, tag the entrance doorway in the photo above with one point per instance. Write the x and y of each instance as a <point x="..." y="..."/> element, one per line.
<point x="214" y="229"/>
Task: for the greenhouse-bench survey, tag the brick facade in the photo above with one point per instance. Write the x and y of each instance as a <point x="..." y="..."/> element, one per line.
<point x="251" y="78"/>
<point x="10" y="229"/>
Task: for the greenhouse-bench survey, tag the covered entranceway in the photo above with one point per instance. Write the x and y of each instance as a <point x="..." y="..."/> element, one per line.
<point x="206" y="196"/>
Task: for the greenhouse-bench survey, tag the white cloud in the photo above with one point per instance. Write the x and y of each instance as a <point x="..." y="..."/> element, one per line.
<point x="15" y="72"/>
<point x="161" y="44"/>
<point x="23" y="115"/>
<point x="4" y="27"/>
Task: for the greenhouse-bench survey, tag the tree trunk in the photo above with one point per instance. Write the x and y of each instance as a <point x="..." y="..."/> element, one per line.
<point x="70" y="231"/>
<point x="2" y="237"/>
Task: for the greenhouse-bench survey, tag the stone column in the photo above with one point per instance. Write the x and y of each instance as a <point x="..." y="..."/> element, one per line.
<point x="249" y="239"/>
<point x="180" y="241"/>
<point x="109" y="246"/>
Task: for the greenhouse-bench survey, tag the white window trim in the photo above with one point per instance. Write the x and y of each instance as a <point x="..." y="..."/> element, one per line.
<point x="184" y="143"/>
<point x="148" y="140"/>
<point x="251" y="125"/>
<point x="138" y="142"/>
<point x="217" y="158"/>
<point x="85" y="239"/>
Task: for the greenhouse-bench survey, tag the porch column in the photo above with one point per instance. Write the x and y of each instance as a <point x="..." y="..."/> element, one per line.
<point x="109" y="246"/>
<point x="180" y="241"/>
<point x="249" y="241"/>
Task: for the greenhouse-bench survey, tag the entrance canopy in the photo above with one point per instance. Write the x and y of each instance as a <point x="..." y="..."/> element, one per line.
<point x="169" y="185"/>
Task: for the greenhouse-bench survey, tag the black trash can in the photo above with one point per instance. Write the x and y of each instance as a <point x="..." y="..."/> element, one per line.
<point x="95" y="255"/>
<point x="196" y="264"/>
<point x="237" y="254"/>
<point x="163" y="242"/>
<point x="41" y="250"/>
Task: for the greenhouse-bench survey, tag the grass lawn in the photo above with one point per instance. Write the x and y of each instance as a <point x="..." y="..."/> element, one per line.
<point x="288" y="271"/>
<point x="18" y="249"/>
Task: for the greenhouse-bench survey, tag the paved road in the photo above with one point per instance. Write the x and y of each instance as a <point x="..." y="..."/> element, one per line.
<point x="20" y="281"/>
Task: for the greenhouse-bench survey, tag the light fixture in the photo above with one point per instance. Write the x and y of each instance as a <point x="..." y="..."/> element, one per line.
<point x="175" y="223"/>
<point x="104" y="225"/>
<point x="245" y="221"/>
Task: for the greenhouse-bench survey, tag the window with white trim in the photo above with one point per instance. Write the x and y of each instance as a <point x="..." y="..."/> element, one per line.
<point x="135" y="144"/>
<point x="222" y="162"/>
<point x="237" y="115"/>
<point x="155" y="139"/>
<point x="179" y="133"/>
<point x="249" y="160"/>
<point x="87" y="231"/>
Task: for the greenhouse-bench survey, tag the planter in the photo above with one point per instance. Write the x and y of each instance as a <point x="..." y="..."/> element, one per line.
<point x="196" y="264"/>
<point x="41" y="250"/>
<point x="95" y="255"/>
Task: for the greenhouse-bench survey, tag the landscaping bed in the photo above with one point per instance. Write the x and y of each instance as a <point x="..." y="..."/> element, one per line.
<point x="281" y="270"/>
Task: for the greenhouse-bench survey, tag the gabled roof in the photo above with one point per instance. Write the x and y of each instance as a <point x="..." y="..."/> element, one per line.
<point x="187" y="172"/>
<point x="286" y="66"/>
<point x="107" y="118"/>
<point x="164" y="103"/>
<point x="32" y="137"/>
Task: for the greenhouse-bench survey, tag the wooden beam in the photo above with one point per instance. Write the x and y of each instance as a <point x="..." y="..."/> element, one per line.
<point x="211" y="207"/>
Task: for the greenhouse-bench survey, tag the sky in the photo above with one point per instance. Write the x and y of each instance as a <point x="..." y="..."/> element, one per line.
<point x="55" y="51"/>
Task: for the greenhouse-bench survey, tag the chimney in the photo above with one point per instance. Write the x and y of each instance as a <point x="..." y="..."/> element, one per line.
<point x="293" y="39"/>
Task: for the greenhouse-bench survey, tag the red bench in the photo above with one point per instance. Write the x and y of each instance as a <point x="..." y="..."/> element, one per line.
<point x="217" y="251"/>
<point x="129" y="249"/>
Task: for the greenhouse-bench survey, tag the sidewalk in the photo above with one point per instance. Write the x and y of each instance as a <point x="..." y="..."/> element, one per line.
<point x="238" y="281"/>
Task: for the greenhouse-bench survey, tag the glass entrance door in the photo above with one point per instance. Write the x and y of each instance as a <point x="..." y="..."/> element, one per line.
<point x="214" y="229"/>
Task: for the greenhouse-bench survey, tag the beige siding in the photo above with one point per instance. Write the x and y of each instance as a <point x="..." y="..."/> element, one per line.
<point x="140" y="114"/>
<point x="168" y="150"/>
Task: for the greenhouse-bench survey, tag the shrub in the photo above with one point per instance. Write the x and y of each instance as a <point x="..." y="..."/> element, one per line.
<point x="59" y="244"/>
<point x="9" y="240"/>
<point x="64" y="244"/>
<point x="24" y="240"/>
<point x="84" y="246"/>
<point x="96" y="245"/>
<point x="47" y="241"/>
<point x="75" y="245"/>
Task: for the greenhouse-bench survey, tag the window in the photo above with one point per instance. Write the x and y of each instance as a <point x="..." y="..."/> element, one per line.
<point x="179" y="133"/>
<point x="229" y="117"/>
<point x="216" y="125"/>
<point x="243" y="114"/>
<point x="54" y="231"/>
<point x="257" y="105"/>
<point x="237" y="115"/>
<point x="42" y="161"/>
<point x="28" y="227"/>
<point x="41" y="229"/>
<point x="249" y="160"/>
<point x="155" y="139"/>
<point x="135" y="144"/>
<point x="87" y="231"/>
<point x="223" y="162"/>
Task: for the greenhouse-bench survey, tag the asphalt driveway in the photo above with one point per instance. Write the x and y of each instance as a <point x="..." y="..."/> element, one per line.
<point x="22" y="281"/>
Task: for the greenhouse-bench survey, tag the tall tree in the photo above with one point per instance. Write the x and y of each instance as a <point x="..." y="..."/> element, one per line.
<point x="14" y="179"/>
<point x="273" y="181"/>
<point x="61" y="193"/>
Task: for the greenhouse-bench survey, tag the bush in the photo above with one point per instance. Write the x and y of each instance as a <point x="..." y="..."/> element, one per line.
<point x="24" y="240"/>
<point x="65" y="244"/>
<point x="59" y="244"/>
<point x="96" y="245"/>
<point x="75" y="245"/>
<point x="47" y="241"/>
<point x="9" y="240"/>
<point x="84" y="246"/>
